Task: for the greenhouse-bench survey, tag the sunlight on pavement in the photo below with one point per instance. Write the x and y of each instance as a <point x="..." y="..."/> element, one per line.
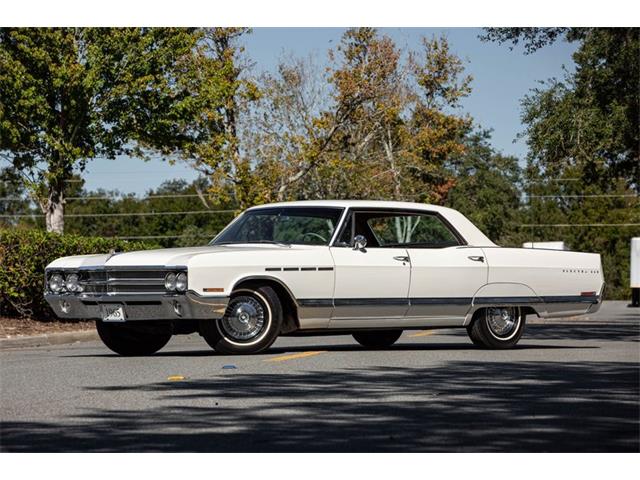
<point x="294" y="356"/>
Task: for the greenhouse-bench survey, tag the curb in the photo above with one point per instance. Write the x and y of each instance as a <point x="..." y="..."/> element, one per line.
<point x="48" y="339"/>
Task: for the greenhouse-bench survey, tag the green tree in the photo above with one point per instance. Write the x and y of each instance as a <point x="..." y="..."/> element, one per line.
<point x="13" y="199"/>
<point x="590" y="119"/>
<point x="68" y="95"/>
<point x="583" y="133"/>
<point x="487" y="189"/>
<point x="219" y="71"/>
<point x="111" y="214"/>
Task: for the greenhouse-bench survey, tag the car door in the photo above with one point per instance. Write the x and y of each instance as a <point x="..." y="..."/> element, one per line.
<point x="445" y="273"/>
<point x="371" y="283"/>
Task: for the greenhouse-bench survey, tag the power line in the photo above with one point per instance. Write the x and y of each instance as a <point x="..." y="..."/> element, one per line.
<point x="579" y="225"/>
<point x="147" y="237"/>
<point x="113" y="197"/>
<point x="603" y="195"/>
<point x="121" y="214"/>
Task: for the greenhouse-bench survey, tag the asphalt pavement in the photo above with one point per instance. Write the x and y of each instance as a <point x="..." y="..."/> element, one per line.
<point x="567" y="386"/>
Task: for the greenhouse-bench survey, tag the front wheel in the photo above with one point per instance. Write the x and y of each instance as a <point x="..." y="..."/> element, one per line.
<point x="251" y="322"/>
<point x="134" y="339"/>
<point x="497" y="327"/>
<point x="377" y="339"/>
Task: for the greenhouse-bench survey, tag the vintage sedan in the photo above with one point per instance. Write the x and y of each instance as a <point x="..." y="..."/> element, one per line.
<point x="370" y="269"/>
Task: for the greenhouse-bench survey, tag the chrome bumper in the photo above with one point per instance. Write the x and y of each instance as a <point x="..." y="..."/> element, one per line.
<point x="189" y="306"/>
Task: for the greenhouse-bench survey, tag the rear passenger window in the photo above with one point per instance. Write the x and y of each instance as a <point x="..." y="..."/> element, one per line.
<point x="411" y="231"/>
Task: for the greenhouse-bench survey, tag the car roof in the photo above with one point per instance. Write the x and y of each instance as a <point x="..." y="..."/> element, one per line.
<point x="472" y="234"/>
<point x="357" y="203"/>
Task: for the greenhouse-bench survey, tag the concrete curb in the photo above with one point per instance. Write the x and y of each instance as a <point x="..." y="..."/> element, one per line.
<point x="48" y="339"/>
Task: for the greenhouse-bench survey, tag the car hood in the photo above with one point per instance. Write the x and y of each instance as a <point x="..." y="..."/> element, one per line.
<point x="160" y="257"/>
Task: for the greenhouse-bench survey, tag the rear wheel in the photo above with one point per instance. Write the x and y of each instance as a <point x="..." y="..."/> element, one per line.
<point x="497" y="327"/>
<point x="377" y="339"/>
<point x="134" y="339"/>
<point x="250" y="324"/>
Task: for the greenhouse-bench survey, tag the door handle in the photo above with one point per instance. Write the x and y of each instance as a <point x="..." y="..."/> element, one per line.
<point x="401" y="258"/>
<point x="476" y="258"/>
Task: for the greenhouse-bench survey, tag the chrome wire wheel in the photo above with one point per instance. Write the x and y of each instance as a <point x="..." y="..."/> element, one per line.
<point x="244" y="320"/>
<point x="503" y="322"/>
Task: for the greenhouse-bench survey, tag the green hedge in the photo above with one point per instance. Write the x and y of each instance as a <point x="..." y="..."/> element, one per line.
<point x="24" y="253"/>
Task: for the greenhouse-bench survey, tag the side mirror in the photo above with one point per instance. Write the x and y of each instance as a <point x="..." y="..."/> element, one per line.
<point x="359" y="242"/>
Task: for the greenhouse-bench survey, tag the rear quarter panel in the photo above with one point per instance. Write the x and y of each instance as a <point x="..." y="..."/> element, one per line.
<point x="546" y="272"/>
<point x="560" y="279"/>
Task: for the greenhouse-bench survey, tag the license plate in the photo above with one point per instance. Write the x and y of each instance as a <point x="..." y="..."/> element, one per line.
<point x="113" y="313"/>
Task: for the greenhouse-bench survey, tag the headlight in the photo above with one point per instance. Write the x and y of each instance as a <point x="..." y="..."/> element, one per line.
<point x="181" y="282"/>
<point x="170" y="281"/>
<point x="56" y="283"/>
<point x="73" y="283"/>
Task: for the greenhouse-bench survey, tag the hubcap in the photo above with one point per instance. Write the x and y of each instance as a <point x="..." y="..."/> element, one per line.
<point x="502" y="321"/>
<point x="244" y="319"/>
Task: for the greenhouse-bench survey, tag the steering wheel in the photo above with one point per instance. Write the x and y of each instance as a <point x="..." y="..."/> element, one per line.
<point x="312" y="234"/>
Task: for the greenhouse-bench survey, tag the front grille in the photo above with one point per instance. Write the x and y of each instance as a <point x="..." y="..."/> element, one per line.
<point x="112" y="281"/>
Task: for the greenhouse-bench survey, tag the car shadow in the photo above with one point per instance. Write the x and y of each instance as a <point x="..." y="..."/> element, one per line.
<point x="484" y="406"/>
<point x="399" y="347"/>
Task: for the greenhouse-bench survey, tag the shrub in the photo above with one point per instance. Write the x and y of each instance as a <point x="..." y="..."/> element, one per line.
<point x="24" y="254"/>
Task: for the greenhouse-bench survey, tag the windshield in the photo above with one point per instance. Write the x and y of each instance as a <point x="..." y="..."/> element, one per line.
<point x="283" y="225"/>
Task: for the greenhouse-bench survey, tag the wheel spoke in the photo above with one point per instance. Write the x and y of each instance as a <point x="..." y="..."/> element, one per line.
<point x="244" y="319"/>
<point x="503" y="321"/>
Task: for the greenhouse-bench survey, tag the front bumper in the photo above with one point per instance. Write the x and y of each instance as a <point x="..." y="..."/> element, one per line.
<point x="189" y="306"/>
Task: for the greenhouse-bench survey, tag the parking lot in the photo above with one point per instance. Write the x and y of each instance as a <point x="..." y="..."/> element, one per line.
<point x="570" y="385"/>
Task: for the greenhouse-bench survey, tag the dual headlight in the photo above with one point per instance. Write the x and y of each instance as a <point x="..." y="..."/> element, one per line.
<point x="65" y="283"/>
<point x="176" y="282"/>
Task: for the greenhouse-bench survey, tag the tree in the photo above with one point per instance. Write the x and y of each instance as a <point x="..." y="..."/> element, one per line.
<point x="583" y="135"/>
<point x="13" y="200"/>
<point x="68" y="95"/>
<point x="219" y="71"/>
<point x="591" y="119"/>
<point x="375" y="116"/>
<point x="487" y="189"/>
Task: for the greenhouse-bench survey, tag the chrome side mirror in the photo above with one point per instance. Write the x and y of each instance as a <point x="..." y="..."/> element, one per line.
<point x="359" y="242"/>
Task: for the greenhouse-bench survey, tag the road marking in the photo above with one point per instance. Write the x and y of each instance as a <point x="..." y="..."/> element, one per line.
<point x="424" y="333"/>
<point x="294" y="356"/>
<point x="175" y="378"/>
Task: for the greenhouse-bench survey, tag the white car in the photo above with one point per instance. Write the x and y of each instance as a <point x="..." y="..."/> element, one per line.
<point x="367" y="268"/>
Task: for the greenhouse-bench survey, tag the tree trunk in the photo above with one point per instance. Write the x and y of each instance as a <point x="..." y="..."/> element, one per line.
<point x="54" y="211"/>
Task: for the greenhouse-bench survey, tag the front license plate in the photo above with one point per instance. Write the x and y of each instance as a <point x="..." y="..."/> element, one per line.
<point x="113" y="313"/>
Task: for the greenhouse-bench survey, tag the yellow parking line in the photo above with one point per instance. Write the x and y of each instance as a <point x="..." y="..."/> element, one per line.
<point x="424" y="333"/>
<point x="293" y="356"/>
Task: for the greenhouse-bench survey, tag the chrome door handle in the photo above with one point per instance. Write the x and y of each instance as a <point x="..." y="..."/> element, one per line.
<point x="476" y="258"/>
<point x="401" y="258"/>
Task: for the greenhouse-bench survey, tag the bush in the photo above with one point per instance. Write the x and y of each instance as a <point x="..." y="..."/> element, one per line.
<point x="24" y="254"/>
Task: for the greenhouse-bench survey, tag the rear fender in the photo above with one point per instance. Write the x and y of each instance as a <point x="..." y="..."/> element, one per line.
<point x="506" y="294"/>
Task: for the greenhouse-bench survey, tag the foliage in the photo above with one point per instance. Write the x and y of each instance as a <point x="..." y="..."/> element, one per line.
<point x="24" y="254"/>
<point x="583" y="135"/>
<point x="200" y="227"/>
<point x="488" y="190"/>
<point x="68" y="95"/>
<point x="533" y="38"/>
<point x="12" y="198"/>
<point x="381" y="113"/>
<point x="218" y="73"/>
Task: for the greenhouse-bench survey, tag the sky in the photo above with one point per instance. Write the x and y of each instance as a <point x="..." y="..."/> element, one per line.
<point x="501" y="78"/>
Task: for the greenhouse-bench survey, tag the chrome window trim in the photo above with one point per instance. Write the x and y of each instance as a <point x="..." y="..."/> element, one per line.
<point x="454" y="231"/>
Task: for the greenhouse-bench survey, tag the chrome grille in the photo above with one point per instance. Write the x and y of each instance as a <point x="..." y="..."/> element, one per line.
<point x="121" y="281"/>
